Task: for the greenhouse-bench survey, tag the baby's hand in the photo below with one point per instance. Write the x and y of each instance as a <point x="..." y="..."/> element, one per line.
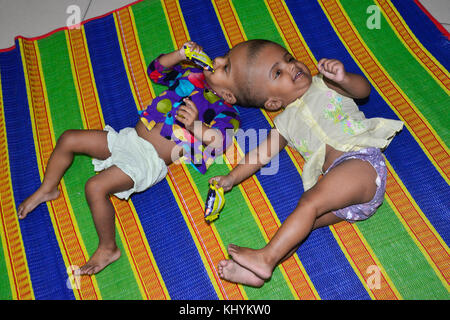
<point x="332" y="69"/>
<point x="192" y="45"/>
<point x="225" y="182"/>
<point x="187" y="114"/>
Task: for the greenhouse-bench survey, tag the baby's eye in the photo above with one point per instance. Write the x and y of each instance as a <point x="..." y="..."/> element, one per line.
<point x="277" y="74"/>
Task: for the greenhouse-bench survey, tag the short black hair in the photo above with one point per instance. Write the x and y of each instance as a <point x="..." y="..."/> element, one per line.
<point x="246" y="96"/>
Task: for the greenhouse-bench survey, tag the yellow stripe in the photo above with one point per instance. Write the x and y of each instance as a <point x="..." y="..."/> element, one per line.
<point x="144" y="66"/>
<point x="417" y="42"/>
<point x="125" y="62"/>
<point x="77" y="88"/>
<point x="84" y="109"/>
<point x="192" y="183"/>
<point x="377" y="262"/>
<point x="41" y="167"/>
<point x="250" y="206"/>
<point x="398" y="181"/>
<point x="194" y="235"/>
<point x="404" y="96"/>
<point x="361" y="277"/>
<point x="62" y="183"/>
<point x="77" y="85"/>
<point x="137" y="273"/>
<point x="307" y="57"/>
<point x="233" y="10"/>
<point x="313" y="62"/>
<point x="278" y="224"/>
<point x="22" y="287"/>
<point x="176" y="45"/>
<point x="139" y="103"/>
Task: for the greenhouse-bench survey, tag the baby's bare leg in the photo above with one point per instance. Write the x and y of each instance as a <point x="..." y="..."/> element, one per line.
<point x="232" y="271"/>
<point x="350" y="182"/>
<point x="98" y="189"/>
<point x="71" y="142"/>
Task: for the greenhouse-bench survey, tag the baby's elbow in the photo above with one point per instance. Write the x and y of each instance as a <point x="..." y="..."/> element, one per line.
<point x="363" y="92"/>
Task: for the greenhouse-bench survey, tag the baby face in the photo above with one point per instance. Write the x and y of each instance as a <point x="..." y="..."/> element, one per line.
<point x="279" y="76"/>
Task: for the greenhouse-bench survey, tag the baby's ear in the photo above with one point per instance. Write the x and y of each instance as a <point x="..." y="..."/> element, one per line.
<point x="273" y="104"/>
<point x="229" y="97"/>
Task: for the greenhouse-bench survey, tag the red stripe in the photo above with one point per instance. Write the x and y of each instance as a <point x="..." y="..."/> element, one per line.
<point x="357" y="264"/>
<point x="415" y="234"/>
<point x="10" y="256"/>
<point x="405" y="40"/>
<point x="436" y="23"/>
<point x="197" y="232"/>
<point x="63" y="242"/>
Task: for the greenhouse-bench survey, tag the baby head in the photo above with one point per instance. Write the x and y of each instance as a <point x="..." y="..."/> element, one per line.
<point x="259" y="73"/>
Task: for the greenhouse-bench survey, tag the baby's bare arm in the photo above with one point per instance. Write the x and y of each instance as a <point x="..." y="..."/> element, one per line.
<point x="168" y="60"/>
<point x="253" y="160"/>
<point x="346" y="83"/>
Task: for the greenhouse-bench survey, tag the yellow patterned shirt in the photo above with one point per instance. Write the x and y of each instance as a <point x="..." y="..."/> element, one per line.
<point x="322" y="116"/>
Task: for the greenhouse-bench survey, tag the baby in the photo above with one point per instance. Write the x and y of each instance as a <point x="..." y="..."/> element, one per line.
<point x="323" y="123"/>
<point x="194" y="119"/>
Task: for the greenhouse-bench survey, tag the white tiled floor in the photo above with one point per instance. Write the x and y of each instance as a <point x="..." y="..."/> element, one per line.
<point x="32" y="18"/>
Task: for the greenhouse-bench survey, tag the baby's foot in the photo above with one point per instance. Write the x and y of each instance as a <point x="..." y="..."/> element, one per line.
<point x="34" y="200"/>
<point x="252" y="260"/>
<point x="233" y="272"/>
<point x="99" y="261"/>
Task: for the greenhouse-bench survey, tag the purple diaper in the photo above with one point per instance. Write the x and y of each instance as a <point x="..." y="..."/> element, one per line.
<point x="364" y="211"/>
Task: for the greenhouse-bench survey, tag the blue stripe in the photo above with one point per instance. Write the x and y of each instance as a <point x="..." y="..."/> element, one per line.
<point x="284" y="190"/>
<point x="169" y="238"/>
<point x="204" y="28"/>
<point x="172" y="246"/>
<point x="418" y="174"/>
<point x="46" y="265"/>
<point x="425" y="30"/>
<point x="281" y="188"/>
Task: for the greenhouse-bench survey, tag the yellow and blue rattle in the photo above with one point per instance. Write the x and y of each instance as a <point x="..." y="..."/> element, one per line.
<point x="215" y="201"/>
<point x="200" y="58"/>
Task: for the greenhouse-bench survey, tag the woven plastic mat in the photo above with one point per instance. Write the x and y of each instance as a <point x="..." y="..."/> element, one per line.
<point x="96" y="75"/>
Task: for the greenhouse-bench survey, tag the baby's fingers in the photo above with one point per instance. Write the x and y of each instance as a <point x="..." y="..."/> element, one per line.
<point x="217" y="179"/>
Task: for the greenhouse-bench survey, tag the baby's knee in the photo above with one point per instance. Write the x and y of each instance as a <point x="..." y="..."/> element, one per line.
<point x="310" y="202"/>
<point x="68" y="139"/>
<point x="95" y="188"/>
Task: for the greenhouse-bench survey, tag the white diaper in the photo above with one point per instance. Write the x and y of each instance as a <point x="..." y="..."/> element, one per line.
<point x="136" y="157"/>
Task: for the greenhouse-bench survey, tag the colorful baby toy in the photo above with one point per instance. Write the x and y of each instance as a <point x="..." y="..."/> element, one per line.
<point x="200" y="58"/>
<point x="215" y="201"/>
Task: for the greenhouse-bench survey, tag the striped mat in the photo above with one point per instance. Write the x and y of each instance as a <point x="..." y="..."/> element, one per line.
<point x="95" y="75"/>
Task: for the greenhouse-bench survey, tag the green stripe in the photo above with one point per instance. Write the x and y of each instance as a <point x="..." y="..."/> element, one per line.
<point x="5" y="288"/>
<point x="236" y="225"/>
<point x="155" y="39"/>
<point x="405" y="70"/>
<point x="256" y="21"/>
<point x="153" y="33"/>
<point x="399" y="255"/>
<point x="65" y="113"/>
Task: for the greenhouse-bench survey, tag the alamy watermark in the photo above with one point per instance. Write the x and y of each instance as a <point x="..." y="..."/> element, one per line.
<point x="374" y="279"/>
<point x="73" y="21"/>
<point x="73" y="281"/>
<point x="374" y="20"/>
